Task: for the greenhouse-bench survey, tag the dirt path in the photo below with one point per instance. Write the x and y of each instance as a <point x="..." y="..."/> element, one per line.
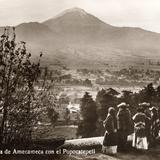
<point x="153" y="154"/>
<point x="90" y="143"/>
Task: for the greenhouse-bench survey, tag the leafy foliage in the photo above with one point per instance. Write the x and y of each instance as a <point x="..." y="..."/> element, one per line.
<point x="20" y="102"/>
<point x="87" y="127"/>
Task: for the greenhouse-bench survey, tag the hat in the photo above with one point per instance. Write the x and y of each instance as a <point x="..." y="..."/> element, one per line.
<point x="144" y="104"/>
<point x="153" y="108"/>
<point x="123" y="104"/>
<point x="111" y="110"/>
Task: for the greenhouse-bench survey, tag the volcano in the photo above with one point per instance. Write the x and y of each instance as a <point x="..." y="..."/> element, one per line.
<point x="75" y="38"/>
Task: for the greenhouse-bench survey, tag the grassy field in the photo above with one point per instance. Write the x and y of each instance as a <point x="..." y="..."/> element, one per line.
<point x="49" y="132"/>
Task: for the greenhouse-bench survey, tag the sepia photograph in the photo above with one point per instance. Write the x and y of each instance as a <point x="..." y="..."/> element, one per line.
<point x="79" y="80"/>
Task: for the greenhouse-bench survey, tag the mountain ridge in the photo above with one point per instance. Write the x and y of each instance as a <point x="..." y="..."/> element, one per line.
<point x="75" y="36"/>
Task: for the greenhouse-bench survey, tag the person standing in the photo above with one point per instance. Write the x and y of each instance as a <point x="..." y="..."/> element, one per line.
<point x="123" y="125"/>
<point x="145" y="109"/>
<point x="154" y="125"/>
<point x="110" y="137"/>
<point x="158" y="121"/>
<point x="140" y="136"/>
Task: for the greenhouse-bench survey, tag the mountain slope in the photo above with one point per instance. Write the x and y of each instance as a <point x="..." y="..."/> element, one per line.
<point x="75" y="25"/>
<point x="32" y="31"/>
<point x="78" y="24"/>
<point x="74" y="19"/>
<point x="76" y="38"/>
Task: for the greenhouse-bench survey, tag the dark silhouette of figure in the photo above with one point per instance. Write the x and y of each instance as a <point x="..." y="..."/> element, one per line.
<point x="110" y="137"/>
<point x="123" y="126"/>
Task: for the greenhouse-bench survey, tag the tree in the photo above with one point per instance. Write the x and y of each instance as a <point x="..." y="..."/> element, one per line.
<point x="48" y="104"/>
<point x="147" y="94"/>
<point x="20" y="102"/>
<point x="67" y="116"/>
<point x="127" y="97"/>
<point x="104" y="100"/>
<point x="87" y="127"/>
<point x="87" y="82"/>
<point x="87" y="97"/>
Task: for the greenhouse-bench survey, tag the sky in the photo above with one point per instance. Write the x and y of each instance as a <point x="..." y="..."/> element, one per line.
<point x="132" y="13"/>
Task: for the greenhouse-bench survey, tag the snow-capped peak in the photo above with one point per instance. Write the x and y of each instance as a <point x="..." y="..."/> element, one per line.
<point x="73" y="10"/>
<point x="76" y="9"/>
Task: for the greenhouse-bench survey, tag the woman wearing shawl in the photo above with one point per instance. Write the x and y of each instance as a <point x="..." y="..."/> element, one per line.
<point x="140" y="135"/>
<point x="110" y="137"/>
<point x="154" y="125"/>
<point x="124" y="126"/>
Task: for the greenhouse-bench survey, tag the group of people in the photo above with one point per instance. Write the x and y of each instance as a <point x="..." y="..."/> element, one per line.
<point x="142" y="129"/>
